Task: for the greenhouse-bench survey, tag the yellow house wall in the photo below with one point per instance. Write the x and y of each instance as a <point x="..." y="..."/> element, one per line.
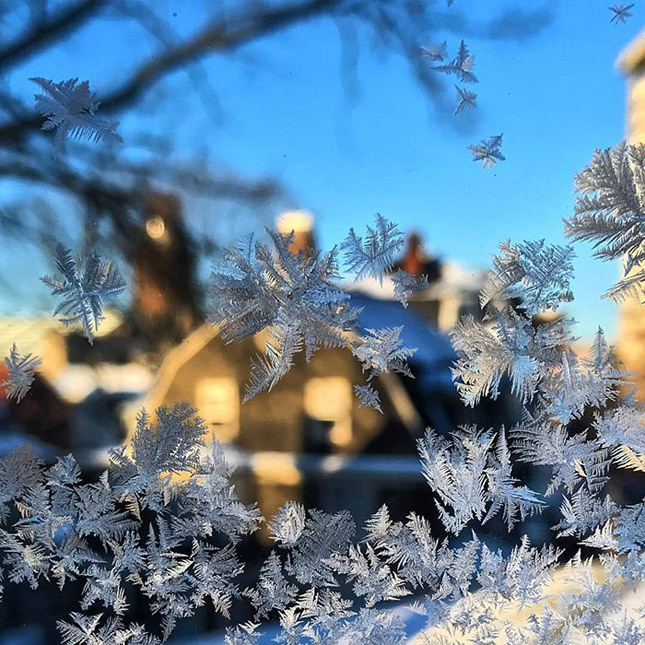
<point x="630" y="346"/>
<point x="273" y="421"/>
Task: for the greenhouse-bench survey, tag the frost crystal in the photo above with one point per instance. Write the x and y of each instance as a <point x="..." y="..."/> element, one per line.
<point x="295" y="297"/>
<point x="375" y="255"/>
<point x="20" y="373"/>
<point x="368" y="396"/>
<point x="472" y="478"/>
<point x="609" y="211"/>
<point x="436" y="52"/>
<point x="538" y="359"/>
<point x="310" y="544"/>
<point x="620" y="12"/>
<point x="382" y="351"/>
<point x="488" y="151"/>
<point x="288" y="523"/>
<point x="405" y="284"/>
<point x="70" y="108"/>
<point x="84" y="285"/>
<point x="461" y="65"/>
<point x="465" y="99"/>
<point x="535" y="273"/>
<point x="272" y="591"/>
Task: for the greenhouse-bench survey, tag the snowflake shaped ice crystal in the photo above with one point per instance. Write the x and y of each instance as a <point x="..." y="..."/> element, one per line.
<point x="20" y="373"/>
<point x="70" y="108"/>
<point x="488" y="151"/>
<point x="86" y="282"/>
<point x="620" y="12"/>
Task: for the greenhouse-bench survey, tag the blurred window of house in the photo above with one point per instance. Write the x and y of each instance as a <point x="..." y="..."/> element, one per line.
<point x="329" y="400"/>
<point x="218" y="402"/>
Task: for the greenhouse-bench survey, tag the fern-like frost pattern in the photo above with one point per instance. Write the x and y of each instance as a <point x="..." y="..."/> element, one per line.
<point x="20" y="373"/>
<point x="70" y="108"/>
<point x="83" y="285"/>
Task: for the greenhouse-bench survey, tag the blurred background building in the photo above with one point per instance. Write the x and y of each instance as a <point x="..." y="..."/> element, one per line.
<point x="289" y="443"/>
<point x="631" y="326"/>
<point x="307" y="439"/>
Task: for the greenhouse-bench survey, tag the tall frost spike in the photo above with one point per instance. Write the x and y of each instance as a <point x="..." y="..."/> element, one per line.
<point x="70" y="108"/>
<point x="610" y="211"/>
<point x="373" y="256"/>
<point x="272" y="591"/>
<point x="84" y="285"/>
<point x="170" y="446"/>
<point x="20" y="373"/>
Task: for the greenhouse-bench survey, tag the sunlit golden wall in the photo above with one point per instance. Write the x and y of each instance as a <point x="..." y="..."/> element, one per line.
<point x="631" y="325"/>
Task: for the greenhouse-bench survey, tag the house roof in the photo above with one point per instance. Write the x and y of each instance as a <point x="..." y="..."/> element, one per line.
<point x="434" y="354"/>
<point x="633" y="56"/>
<point x="391" y="383"/>
<point x="454" y="279"/>
<point x="175" y="359"/>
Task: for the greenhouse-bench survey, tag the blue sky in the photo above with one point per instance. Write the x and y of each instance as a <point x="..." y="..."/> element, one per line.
<point x="555" y="97"/>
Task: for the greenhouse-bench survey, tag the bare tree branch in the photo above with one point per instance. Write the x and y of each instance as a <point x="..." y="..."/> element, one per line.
<point x="110" y="186"/>
<point x="50" y="31"/>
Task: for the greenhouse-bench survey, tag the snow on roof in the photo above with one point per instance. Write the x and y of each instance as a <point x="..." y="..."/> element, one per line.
<point x="434" y="351"/>
<point x="76" y="382"/>
<point x="455" y="278"/>
<point x="455" y="275"/>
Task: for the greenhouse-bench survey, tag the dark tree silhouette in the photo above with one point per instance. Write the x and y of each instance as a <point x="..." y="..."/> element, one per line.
<point x="106" y="180"/>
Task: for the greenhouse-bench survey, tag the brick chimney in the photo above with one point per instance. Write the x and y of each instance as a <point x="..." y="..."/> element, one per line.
<point x="416" y="261"/>
<point x="165" y="302"/>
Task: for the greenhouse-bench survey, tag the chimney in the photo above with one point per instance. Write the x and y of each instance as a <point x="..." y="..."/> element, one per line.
<point x="165" y="302"/>
<point x="301" y="222"/>
<point x="416" y="261"/>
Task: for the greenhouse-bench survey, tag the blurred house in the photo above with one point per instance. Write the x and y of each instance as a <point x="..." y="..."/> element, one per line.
<point x="312" y="411"/>
<point x="76" y="399"/>
<point x="630" y="346"/>
<point x="309" y="438"/>
<point x="43" y="417"/>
